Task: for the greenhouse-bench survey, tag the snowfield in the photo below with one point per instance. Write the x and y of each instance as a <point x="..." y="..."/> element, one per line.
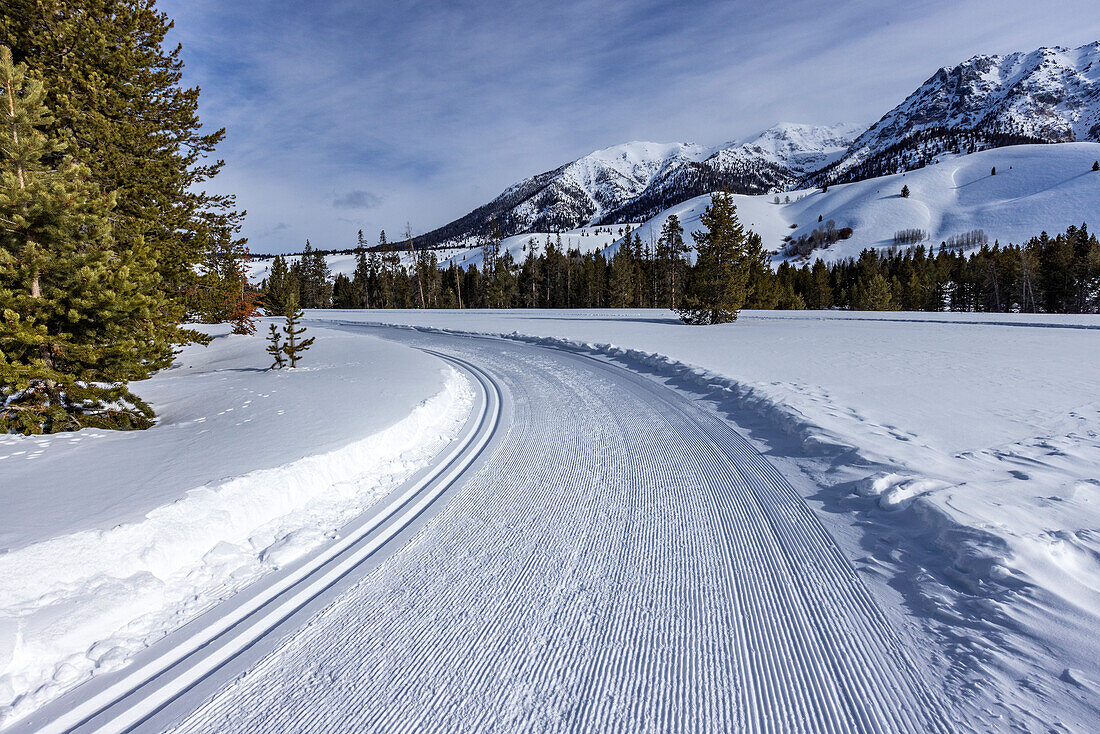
<point x="956" y="457"/>
<point x="112" y="539"/>
<point x="1049" y="184"/>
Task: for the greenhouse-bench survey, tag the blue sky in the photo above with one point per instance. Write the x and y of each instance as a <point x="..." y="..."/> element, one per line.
<point x="344" y="115"/>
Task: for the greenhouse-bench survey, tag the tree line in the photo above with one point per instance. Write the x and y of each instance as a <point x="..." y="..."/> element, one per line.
<point x="108" y="242"/>
<point x="1058" y="274"/>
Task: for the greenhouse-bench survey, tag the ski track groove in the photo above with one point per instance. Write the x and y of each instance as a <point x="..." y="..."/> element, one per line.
<point x="623" y="561"/>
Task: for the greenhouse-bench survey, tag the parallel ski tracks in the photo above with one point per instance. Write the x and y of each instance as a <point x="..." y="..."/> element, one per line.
<point x="205" y="645"/>
<point x="623" y="560"/>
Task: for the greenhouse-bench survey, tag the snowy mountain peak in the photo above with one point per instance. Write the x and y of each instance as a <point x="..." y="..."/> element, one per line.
<point x="634" y="180"/>
<point x="798" y="147"/>
<point x="1049" y="95"/>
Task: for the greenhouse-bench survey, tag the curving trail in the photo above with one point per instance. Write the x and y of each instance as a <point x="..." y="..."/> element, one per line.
<point x="620" y="560"/>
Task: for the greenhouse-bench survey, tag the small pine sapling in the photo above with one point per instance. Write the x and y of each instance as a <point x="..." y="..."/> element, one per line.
<point x="293" y="348"/>
<point x="275" y="349"/>
<point x="993" y="171"/>
<point x="1096" y="165"/>
<point x="905" y="192"/>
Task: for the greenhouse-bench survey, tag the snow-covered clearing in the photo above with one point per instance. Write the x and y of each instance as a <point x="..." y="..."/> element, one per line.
<point x="112" y="539"/>
<point x="343" y="264"/>
<point x="469" y="252"/>
<point x="955" y="456"/>
<point x="1036" y="187"/>
<point x="582" y="239"/>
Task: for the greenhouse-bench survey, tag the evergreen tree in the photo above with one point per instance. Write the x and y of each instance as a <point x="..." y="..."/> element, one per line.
<point x="490" y="266"/>
<point x="294" y="348"/>
<point x="388" y="281"/>
<point x="905" y="191"/>
<point x="364" y="275"/>
<point x="245" y="301"/>
<point x="114" y="89"/>
<point x="1096" y="165"/>
<point x="763" y="290"/>
<point x="278" y="287"/>
<point x="671" y="262"/>
<point x="314" y="288"/>
<point x="275" y="348"/>
<point x="78" y="315"/>
<point x="343" y="292"/>
<point x="621" y="278"/>
<point x="875" y="295"/>
<point x="993" y="171"/>
<point x="718" y="286"/>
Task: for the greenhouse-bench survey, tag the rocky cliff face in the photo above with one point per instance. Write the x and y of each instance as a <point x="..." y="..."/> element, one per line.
<point x="1050" y="95"/>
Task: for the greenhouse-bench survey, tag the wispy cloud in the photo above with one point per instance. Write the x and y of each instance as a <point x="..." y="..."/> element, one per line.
<point x="441" y="105"/>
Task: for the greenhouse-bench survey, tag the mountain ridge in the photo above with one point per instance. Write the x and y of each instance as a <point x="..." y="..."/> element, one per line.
<point x="1049" y="95"/>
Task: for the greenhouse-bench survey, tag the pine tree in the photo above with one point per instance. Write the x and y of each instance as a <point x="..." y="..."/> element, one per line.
<point x="905" y="192"/>
<point x="364" y="275"/>
<point x="1096" y="165"/>
<point x="875" y="295"/>
<point x="293" y="349"/>
<point x="620" y="283"/>
<point x="675" y="252"/>
<point x="718" y="286"/>
<point x="228" y="294"/>
<point x="993" y="171"/>
<point x="114" y="88"/>
<point x="77" y="314"/>
<point x="275" y="348"/>
<point x="763" y="289"/>
<point x="278" y="287"/>
<point x="490" y="265"/>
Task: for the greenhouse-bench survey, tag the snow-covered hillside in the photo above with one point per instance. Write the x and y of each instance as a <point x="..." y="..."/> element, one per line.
<point x="1051" y="94"/>
<point x="635" y="180"/>
<point x="1036" y="188"/>
<point x="583" y="239"/>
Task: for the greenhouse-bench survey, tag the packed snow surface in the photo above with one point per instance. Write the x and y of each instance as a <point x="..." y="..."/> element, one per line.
<point x="955" y="456"/>
<point x="623" y="560"/>
<point x="1036" y="188"/>
<point x="112" y="539"/>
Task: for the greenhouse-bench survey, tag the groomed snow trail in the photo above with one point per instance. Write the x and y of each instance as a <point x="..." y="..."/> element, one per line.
<point x="621" y="560"/>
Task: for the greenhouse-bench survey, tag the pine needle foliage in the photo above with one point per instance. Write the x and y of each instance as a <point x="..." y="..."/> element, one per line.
<point x="77" y="312"/>
<point x="275" y="348"/>
<point x="719" y="283"/>
<point x="114" y="86"/>
<point x="295" y="347"/>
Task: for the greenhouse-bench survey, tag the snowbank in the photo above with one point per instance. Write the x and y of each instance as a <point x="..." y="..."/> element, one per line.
<point x="266" y="487"/>
<point x="955" y="456"/>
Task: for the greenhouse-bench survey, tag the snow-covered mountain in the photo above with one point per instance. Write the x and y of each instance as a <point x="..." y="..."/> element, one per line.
<point x="1037" y="188"/>
<point x="1051" y="95"/>
<point x="636" y="180"/>
<point x="775" y="160"/>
